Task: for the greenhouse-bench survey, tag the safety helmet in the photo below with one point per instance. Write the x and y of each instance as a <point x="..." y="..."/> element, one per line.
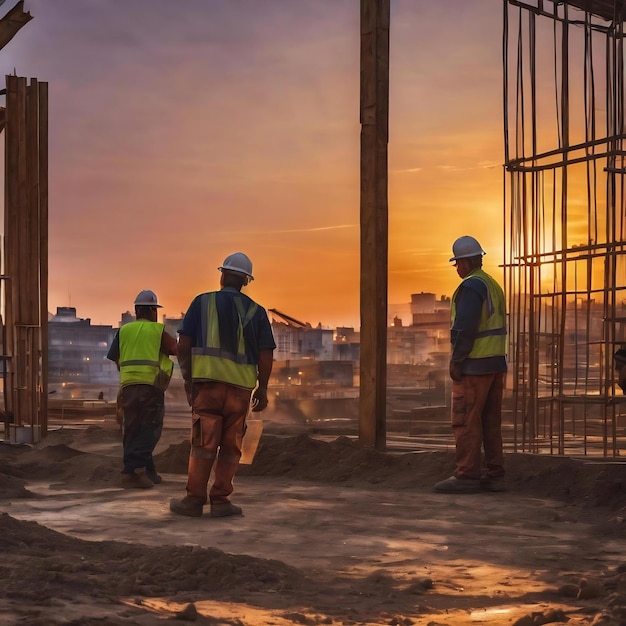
<point x="147" y="298"/>
<point x="238" y="262"/>
<point x="466" y="247"/>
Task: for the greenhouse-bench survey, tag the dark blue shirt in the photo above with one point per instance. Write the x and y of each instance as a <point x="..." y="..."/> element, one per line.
<point x="257" y="333"/>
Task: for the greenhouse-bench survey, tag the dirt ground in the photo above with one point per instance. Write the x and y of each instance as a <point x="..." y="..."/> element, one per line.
<point x="332" y="533"/>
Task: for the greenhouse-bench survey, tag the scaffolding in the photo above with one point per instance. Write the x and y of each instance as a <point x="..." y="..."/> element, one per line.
<point x="564" y="261"/>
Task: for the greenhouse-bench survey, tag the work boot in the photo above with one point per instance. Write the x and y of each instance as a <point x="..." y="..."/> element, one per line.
<point x="458" y="485"/>
<point x="225" y="509"/>
<point x="186" y="506"/>
<point x="492" y="483"/>
<point x="137" y="480"/>
<point x="154" y="477"/>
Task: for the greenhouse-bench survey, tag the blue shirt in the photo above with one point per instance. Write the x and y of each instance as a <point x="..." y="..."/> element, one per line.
<point x="257" y="333"/>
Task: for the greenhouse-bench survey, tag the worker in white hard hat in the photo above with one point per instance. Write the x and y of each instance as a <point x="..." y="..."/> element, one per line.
<point x="478" y="368"/>
<point x="141" y="350"/>
<point x="225" y="352"/>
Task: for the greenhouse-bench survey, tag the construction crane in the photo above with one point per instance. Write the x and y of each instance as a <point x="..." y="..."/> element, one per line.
<point x="290" y="321"/>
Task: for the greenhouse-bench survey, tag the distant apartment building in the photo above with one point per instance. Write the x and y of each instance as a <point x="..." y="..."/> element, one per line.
<point x="347" y="344"/>
<point x="77" y="350"/>
<point x="299" y="340"/>
<point x="426" y="340"/>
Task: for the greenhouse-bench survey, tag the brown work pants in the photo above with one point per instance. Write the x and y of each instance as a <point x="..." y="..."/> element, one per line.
<point x="477" y="424"/>
<point x="218" y="423"/>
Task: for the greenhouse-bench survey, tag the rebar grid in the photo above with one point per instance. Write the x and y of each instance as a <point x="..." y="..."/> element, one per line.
<point x="564" y="261"/>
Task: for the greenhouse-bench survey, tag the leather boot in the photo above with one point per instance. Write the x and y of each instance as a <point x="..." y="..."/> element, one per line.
<point x="137" y="480"/>
<point x="186" y="506"/>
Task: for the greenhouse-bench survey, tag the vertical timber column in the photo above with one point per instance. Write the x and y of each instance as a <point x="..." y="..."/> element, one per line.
<point x="26" y="250"/>
<point x="375" y="17"/>
<point x="42" y="172"/>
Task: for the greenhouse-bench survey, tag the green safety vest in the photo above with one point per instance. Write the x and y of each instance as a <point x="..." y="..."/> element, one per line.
<point x="141" y="359"/>
<point x="491" y="337"/>
<point x="212" y="362"/>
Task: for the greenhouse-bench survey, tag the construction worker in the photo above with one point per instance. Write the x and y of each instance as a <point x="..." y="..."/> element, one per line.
<point x="225" y="352"/>
<point x="141" y="351"/>
<point x="478" y="369"/>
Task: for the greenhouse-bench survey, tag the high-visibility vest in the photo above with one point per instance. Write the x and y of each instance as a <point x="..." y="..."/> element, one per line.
<point x="212" y="362"/>
<point x="490" y="339"/>
<point x="141" y="359"/>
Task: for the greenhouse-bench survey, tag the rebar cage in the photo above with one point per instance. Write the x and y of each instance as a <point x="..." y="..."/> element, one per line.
<point x="564" y="225"/>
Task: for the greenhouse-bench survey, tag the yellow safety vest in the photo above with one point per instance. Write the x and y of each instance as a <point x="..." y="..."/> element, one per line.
<point x="491" y="337"/>
<point x="212" y="362"/>
<point x="141" y="359"/>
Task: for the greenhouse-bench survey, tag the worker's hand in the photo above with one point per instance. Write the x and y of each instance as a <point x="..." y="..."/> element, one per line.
<point x="259" y="399"/>
<point x="188" y="388"/>
<point x="455" y="371"/>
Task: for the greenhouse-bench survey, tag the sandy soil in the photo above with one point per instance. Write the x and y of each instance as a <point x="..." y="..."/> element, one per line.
<point x="332" y="533"/>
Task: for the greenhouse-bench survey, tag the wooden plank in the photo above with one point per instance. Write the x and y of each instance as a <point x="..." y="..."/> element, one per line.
<point x="31" y="291"/>
<point x="12" y="22"/>
<point x="20" y="274"/>
<point x="374" y="109"/>
<point x="10" y="237"/>
<point x="43" y="249"/>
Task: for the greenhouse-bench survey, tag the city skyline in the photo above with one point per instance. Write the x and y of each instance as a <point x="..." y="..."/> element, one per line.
<point x="180" y="135"/>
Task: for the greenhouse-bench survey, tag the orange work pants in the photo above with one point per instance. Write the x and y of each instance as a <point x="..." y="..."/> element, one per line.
<point x="477" y="424"/>
<point x="219" y="415"/>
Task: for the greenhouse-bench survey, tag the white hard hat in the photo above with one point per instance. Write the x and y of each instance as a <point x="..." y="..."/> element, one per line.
<point x="238" y="262"/>
<point x="466" y="247"/>
<point x="147" y="298"/>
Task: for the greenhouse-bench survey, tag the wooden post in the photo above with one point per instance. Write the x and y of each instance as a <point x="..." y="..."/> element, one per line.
<point x="374" y="220"/>
<point x="26" y="252"/>
<point x="10" y="241"/>
<point x="43" y="250"/>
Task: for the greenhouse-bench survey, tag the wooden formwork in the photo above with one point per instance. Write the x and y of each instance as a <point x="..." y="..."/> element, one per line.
<point x="25" y="271"/>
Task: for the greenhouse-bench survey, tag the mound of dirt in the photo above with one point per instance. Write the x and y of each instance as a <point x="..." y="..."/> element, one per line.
<point x="64" y="455"/>
<point x="583" y="482"/>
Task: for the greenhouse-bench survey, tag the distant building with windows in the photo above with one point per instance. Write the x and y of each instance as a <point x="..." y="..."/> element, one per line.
<point x="77" y="350"/>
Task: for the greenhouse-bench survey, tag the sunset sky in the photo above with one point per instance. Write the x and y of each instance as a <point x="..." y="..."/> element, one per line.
<point x="182" y="131"/>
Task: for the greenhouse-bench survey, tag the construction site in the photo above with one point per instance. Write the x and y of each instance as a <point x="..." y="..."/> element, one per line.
<point x="341" y="524"/>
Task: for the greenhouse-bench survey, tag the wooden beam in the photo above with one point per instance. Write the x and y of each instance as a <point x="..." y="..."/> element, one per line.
<point x="43" y="250"/>
<point x="12" y="22"/>
<point x="374" y="220"/>
<point x="26" y="251"/>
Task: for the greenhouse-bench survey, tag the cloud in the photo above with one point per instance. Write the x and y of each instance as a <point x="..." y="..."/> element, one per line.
<point x="289" y="230"/>
<point x="482" y="165"/>
<point x="411" y="170"/>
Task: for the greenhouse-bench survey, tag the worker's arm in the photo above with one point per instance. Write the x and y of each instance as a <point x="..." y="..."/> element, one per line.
<point x="259" y="397"/>
<point x="469" y="304"/>
<point x="114" y="350"/>
<point x="169" y="345"/>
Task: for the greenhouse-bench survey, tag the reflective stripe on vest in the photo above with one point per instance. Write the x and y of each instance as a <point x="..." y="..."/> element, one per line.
<point x="141" y="359"/>
<point x="212" y="362"/>
<point x="490" y="339"/>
